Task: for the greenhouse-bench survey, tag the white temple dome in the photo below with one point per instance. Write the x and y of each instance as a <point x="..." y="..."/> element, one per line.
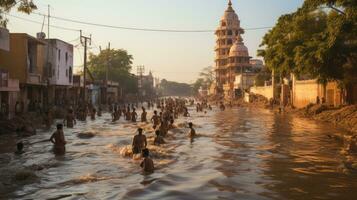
<point x="230" y="14"/>
<point x="238" y="49"/>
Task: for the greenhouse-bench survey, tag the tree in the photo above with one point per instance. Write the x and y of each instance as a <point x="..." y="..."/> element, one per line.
<point x="119" y="66"/>
<point x="171" y="88"/>
<point x="316" y="41"/>
<point x="26" y="6"/>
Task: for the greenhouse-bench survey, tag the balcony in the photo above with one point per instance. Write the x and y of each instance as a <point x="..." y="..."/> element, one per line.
<point x="34" y="79"/>
<point x="10" y="85"/>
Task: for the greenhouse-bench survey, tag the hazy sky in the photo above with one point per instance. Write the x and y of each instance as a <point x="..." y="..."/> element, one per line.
<point x="174" y="56"/>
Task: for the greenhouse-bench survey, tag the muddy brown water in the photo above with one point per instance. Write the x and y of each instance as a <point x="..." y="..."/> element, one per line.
<point x="244" y="153"/>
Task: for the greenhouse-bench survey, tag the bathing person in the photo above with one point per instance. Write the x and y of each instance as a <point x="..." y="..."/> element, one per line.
<point x="139" y="142"/>
<point x="143" y="115"/>
<point x="70" y="119"/>
<point x="19" y="148"/>
<point x="147" y="164"/>
<point x="158" y="139"/>
<point x="155" y="119"/>
<point x="58" y="140"/>
<point x="134" y="115"/>
<point x="192" y="132"/>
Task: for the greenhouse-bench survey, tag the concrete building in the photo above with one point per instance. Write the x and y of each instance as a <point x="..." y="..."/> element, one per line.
<point x="232" y="57"/>
<point x="58" y="70"/>
<point x="243" y="82"/>
<point x="24" y="62"/>
<point x="9" y="88"/>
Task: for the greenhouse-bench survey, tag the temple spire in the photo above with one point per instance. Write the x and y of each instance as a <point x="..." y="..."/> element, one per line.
<point x="230" y="3"/>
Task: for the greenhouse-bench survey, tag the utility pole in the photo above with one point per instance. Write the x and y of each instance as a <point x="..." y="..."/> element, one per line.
<point x="48" y="21"/>
<point x="84" y="41"/>
<point x="107" y="73"/>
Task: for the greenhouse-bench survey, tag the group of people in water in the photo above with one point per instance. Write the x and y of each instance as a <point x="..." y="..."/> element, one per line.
<point x="169" y="110"/>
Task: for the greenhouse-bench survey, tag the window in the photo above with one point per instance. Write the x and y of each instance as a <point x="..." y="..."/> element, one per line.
<point x="70" y="74"/>
<point x="59" y="55"/>
<point x="66" y="57"/>
<point x="229" y="32"/>
<point x="229" y="41"/>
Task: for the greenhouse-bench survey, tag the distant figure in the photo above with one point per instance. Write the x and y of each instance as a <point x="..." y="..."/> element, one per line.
<point x="92" y="113"/>
<point x="317" y="100"/>
<point x="147" y="164"/>
<point x="70" y="119"/>
<point x="59" y="141"/>
<point x="143" y="115"/>
<point x="192" y="132"/>
<point x="155" y="118"/>
<point x="19" y="148"/>
<point x="134" y="115"/>
<point x="158" y="139"/>
<point x="139" y="142"/>
<point x="222" y="107"/>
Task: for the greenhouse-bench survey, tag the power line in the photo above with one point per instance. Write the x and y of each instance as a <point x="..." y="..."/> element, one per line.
<point x="36" y="22"/>
<point x="138" y="29"/>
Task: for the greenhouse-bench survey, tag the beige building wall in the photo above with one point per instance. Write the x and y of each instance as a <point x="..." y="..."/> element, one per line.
<point x="306" y="92"/>
<point x="266" y="91"/>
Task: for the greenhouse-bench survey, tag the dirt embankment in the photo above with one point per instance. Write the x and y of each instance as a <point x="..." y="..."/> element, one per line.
<point x="345" y="117"/>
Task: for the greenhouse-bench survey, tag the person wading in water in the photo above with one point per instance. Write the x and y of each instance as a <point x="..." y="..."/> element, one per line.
<point x="147" y="164"/>
<point x="58" y="140"/>
<point x="70" y="119"/>
<point x="139" y="142"/>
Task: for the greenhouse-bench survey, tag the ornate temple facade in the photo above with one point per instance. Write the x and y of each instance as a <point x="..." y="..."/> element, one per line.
<point x="232" y="57"/>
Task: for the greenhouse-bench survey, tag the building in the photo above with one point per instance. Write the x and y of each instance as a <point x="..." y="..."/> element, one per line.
<point x="58" y="73"/>
<point x="243" y="82"/>
<point x="232" y="57"/>
<point x="257" y="65"/>
<point x="146" y="86"/>
<point x="9" y="88"/>
<point x="24" y="61"/>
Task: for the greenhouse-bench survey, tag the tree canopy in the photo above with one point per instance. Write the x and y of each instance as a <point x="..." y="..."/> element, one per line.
<point x="318" y="39"/>
<point x="119" y="64"/>
<point x="171" y="88"/>
<point x="25" y="6"/>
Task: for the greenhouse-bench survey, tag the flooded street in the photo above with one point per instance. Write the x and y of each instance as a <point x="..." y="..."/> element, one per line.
<point x="244" y="153"/>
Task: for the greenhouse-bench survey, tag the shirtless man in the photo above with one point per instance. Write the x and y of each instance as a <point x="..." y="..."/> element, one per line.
<point x="143" y="115"/>
<point x="134" y="115"/>
<point x="58" y="140"/>
<point x="147" y="164"/>
<point x="70" y="119"/>
<point x="139" y="142"/>
<point x="192" y="132"/>
<point x="158" y="139"/>
<point x="155" y="118"/>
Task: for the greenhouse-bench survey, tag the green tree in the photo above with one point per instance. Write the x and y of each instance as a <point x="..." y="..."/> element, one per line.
<point x="26" y="6"/>
<point x="318" y="39"/>
<point x="119" y="64"/>
<point x="171" y="88"/>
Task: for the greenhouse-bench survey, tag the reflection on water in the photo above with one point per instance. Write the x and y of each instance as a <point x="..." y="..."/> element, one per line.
<point x="243" y="153"/>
